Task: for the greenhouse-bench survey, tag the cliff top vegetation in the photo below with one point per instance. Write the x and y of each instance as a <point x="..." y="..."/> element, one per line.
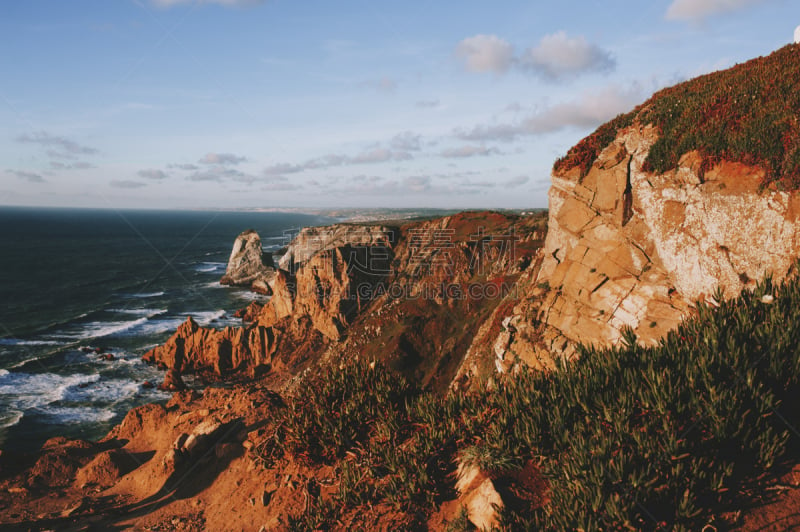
<point x="748" y="113"/>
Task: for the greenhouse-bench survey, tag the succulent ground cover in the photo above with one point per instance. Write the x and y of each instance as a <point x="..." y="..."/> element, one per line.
<point x="654" y="438"/>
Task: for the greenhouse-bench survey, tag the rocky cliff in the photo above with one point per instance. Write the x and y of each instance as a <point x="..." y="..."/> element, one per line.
<point x="691" y="196"/>
<point x="647" y="216"/>
<point x="335" y="275"/>
<point x="312" y="240"/>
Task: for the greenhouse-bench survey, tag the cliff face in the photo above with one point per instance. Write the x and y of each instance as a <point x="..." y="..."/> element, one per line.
<point x="312" y="240"/>
<point x="333" y="283"/>
<point x="413" y="296"/>
<point x="450" y="278"/>
<point x="630" y="248"/>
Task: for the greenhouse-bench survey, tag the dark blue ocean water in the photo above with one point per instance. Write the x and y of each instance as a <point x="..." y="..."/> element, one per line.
<point x="118" y="280"/>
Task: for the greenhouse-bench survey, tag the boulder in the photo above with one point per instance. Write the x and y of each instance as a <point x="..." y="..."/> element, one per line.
<point x="477" y="493"/>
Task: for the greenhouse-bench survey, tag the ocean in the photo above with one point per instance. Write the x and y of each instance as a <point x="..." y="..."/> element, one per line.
<point x="75" y="281"/>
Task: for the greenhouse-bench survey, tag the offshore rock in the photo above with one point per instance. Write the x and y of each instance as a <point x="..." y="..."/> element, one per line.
<point x="248" y="265"/>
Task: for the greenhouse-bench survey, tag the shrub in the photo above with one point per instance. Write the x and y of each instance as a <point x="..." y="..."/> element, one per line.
<point x="649" y="438"/>
<point x="336" y="412"/>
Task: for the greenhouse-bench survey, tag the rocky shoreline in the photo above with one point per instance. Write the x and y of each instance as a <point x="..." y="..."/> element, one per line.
<point x="454" y="309"/>
<point x="332" y="304"/>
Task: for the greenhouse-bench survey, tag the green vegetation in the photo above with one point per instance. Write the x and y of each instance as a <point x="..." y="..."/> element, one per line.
<point x="747" y="114"/>
<point x="648" y="438"/>
<point x="583" y="154"/>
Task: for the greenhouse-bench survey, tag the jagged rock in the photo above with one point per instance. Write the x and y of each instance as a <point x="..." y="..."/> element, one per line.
<point x="502" y="343"/>
<point x="248" y="265"/>
<point x="281" y="304"/>
<point x="172" y="381"/>
<point x="261" y="285"/>
<point x="336" y="284"/>
<point x="313" y="240"/>
<point x="194" y="348"/>
<point x="250" y="313"/>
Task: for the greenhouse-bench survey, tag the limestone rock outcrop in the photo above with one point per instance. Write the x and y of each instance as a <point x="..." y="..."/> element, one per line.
<point x="627" y="248"/>
<point x="477" y="493"/>
<point x="248" y="265"/>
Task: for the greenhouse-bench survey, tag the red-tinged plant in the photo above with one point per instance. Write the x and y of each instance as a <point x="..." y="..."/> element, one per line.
<point x="748" y="114"/>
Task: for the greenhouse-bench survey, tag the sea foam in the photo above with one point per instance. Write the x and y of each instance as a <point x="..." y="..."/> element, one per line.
<point x="210" y="267"/>
<point x="146" y="295"/>
<point x="148" y="312"/>
<point x="99" y="329"/>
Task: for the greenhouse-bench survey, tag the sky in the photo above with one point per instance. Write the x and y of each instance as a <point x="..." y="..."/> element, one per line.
<point x="229" y="104"/>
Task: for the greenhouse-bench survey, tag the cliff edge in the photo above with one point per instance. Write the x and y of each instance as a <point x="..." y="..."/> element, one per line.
<point x="694" y="190"/>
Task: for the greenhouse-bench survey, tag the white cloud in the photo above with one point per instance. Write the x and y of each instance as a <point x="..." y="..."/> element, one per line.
<point x="280" y="187"/>
<point x="188" y="166"/>
<point x="222" y="158"/>
<point x="478" y="184"/>
<point x="417" y="183"/>
<point x="282" y="168"/>
<point x="427" y="104"/>
<point x="30" y="177"/>
<point x="274" y="179"/>
<point x="126" y="183"/>
<point x="516" y="181"/>
<point x="371" y="156"/>
<point x="591" y="110"/>
<point x="695" y="10"/>
<point x="406" y="141"/>
<point x="60" y="146"/>
<point x="221" y="173"/>
<point x="152" y="174"/>
<point x="77" y="165"/>
<point x="485" y="53"/>
<point x="379" y="155"/>
<point x="559" y="56"/>
<point x="326" y="161"/>
<point x="468" y="150"/>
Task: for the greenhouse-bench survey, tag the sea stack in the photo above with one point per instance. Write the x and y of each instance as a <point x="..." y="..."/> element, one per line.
<point x="248" y="265"/>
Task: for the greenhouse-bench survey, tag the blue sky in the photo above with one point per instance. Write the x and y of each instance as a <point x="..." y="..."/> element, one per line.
<point x="258" y="104"/>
